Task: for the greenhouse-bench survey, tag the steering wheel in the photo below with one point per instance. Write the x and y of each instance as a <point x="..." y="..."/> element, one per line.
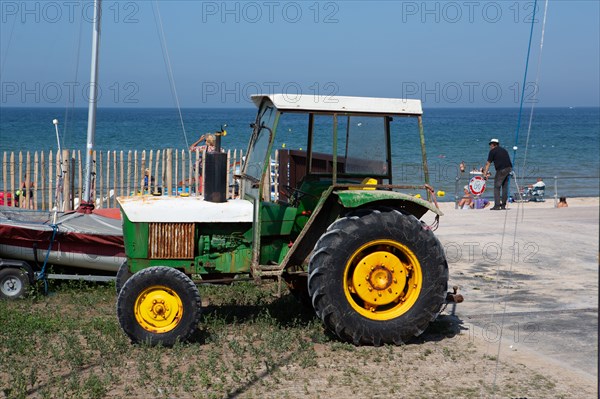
<point x="294" y="194"/>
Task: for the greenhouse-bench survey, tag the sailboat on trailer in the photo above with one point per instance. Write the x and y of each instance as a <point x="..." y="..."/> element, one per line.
<point x="86" y="238"/>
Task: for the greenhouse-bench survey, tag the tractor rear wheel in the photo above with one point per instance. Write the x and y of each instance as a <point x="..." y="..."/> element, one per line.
<point x="377" y="277"/>
<point x="159" y="305"/>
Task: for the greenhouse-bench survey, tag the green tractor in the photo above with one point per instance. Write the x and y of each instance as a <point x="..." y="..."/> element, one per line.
<point x="329" y="222"/>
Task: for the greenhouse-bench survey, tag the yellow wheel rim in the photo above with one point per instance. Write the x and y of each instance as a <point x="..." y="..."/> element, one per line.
<point x="382" y="279"/>
<point x="158" y="309"/>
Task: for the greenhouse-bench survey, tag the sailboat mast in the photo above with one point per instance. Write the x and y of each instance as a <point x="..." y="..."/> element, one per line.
<point x="92" y="105"/>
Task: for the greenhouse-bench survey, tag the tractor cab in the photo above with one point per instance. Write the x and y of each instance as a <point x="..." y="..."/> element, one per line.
<point x="347" y="144"/>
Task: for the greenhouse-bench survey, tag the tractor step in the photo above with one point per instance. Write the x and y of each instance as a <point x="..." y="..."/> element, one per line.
<point x="270" y="272"/>
<point x="269" y="267"/>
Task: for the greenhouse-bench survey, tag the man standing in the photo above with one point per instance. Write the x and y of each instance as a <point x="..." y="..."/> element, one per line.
<point x="499" y="156"/>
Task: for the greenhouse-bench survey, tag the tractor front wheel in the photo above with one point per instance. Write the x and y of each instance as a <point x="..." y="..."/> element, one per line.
<point x="159" y="305"/>
<point x="123" y="274"/>
<point x="377" y="277"/>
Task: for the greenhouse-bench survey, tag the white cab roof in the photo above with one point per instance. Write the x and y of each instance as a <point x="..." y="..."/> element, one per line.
<point x="368" y="105"/>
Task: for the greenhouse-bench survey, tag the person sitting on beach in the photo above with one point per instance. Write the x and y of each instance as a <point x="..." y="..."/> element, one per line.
<point x="562" y="203"/>
<point x="480" y="203"/>
<point x="535" y="192"/>
<point x="539" y="185"/>
<point x="466" y="201"/>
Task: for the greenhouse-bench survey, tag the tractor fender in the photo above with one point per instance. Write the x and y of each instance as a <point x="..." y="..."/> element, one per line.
<point x="351" y="199"/>
<point x="331" y="206"/>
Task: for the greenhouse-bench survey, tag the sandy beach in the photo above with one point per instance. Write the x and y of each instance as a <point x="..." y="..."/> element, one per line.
<point x="529" y="276"/>
<point x="528" y="249"/>
<point x="575" y="202"/>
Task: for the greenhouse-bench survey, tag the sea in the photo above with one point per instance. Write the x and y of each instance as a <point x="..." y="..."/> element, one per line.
<point x="560" y="145"/>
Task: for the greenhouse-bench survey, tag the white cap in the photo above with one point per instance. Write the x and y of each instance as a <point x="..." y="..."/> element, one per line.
<point x="494" y="141"/>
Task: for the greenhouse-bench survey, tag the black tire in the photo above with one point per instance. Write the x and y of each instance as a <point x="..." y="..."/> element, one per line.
<point x="377" y="255"/>
<point x="14" y="283"/>
<point x="123" y="274"/>
<point x="159" y="305"/>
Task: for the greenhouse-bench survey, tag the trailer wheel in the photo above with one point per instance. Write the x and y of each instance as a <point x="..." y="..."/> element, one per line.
<point x="14" y="283"/>
<point x="377" y="277"/>
<point x="123" y="274"/>
<point x="159" y="305"/>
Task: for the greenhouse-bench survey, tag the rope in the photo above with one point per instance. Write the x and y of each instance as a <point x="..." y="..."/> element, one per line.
<point x="70" y="105"/>
<point x="508" y="285"/>
<point x="524" y="80"/>
<point x="167" y="59"/>
<point x="537" y="78"/>
<point x="519" y="193"/>
<point x="519" y="207"/>
<point x="494" y="300"/>
<point x="42" y="275"/>
<point x="436" y="223"/>
<point x="433" y="197"/>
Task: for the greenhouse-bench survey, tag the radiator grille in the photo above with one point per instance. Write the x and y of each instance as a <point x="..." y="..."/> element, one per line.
<point x="171" y="240"/>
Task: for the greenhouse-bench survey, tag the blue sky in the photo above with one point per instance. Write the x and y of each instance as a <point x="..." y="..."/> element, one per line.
<point x="448" y="53"/>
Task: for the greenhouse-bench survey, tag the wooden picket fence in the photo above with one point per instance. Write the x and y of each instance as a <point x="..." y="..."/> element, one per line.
<point x="115" y="173"/>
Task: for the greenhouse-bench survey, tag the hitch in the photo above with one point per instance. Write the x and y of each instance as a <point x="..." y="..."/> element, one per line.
<point x="454" y="297"/>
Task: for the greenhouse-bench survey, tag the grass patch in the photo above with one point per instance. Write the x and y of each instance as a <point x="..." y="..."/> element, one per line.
<point x="248" y="344"/>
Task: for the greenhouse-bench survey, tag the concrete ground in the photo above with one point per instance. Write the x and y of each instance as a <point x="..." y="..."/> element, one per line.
<point x="529" y="276"/>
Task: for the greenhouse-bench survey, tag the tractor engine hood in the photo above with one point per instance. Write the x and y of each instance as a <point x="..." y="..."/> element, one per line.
<point x="184" y="210"/>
